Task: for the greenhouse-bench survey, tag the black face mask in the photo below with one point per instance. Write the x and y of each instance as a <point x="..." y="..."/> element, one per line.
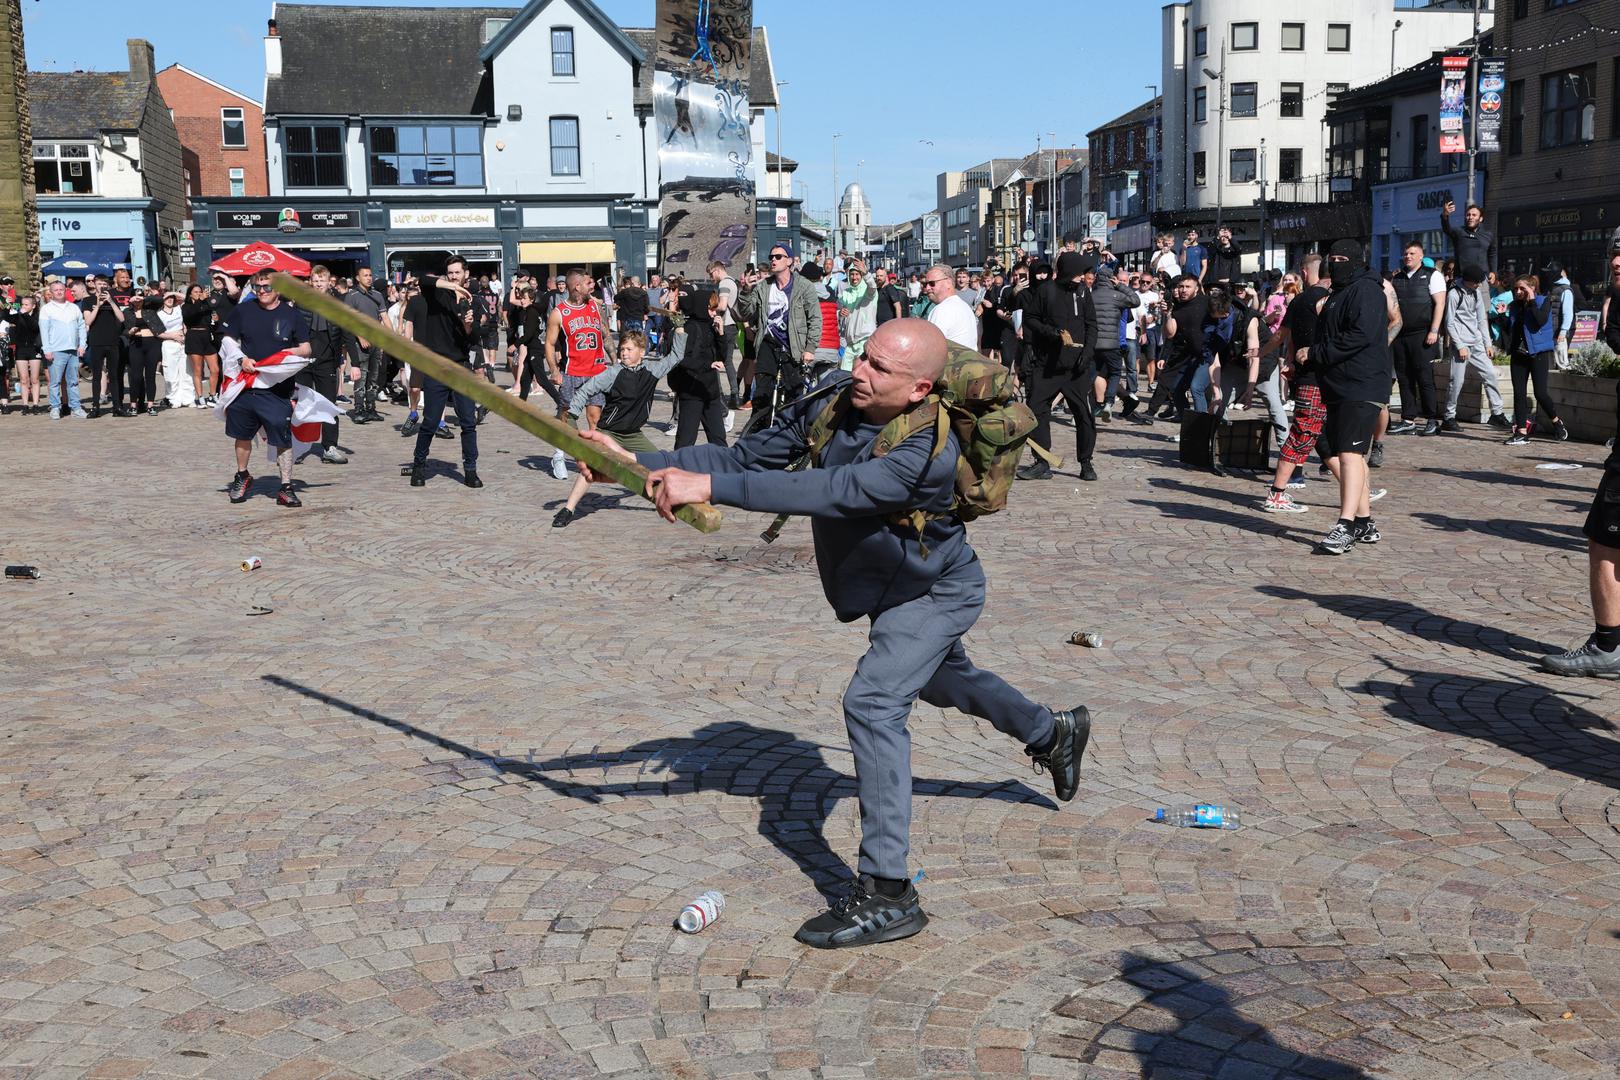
<point x="1341" y="273"/>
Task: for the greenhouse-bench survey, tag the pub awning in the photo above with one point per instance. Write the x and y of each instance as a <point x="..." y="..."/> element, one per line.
<point x="81" y="257"/>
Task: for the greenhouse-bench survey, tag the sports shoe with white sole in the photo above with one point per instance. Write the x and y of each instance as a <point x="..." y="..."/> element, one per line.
<point x="862" y="917"/>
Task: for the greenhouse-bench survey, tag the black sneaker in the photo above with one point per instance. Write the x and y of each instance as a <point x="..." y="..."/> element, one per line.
<point x="862" y="917"/>
<point x="1500" y="422"/>
<point x="240" y="485"/>
<point x="1559" y="431"/>
<point x="564" y="516"/>
<point x="1062" y="760"/>
<point x="1375" y="460"/>
<point x="418" y="475"/>
<point x="1087" y="472"/>
<point x="1340" y="540"/>
<point x="469" y="476"/>
<point x="410" y="426"/>
<point x="1402" y="427"/>
<point x="1430" y="428"/>
<point x="1366" y="534"/>
<point x="1450" y="427"/>
<point x="1035" y="470"/>
<point x="288" y="497"/>
<point x="444" y="432"/>
<point x="1585" y="659"/>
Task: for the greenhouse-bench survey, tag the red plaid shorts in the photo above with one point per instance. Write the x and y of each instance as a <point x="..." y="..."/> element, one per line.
<point x="1306" y="427"/>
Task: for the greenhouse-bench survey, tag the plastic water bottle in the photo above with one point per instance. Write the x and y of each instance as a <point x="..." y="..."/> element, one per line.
<point x="701" y="912"/>
<point x="1199" y="816"/>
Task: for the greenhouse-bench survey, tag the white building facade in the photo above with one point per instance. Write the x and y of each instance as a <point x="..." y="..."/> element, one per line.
<point x="1246" y="78"/>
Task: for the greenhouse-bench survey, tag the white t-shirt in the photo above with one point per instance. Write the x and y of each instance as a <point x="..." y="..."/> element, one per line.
<point x="1146" y="315"/>
<point x="1165" y="262"/>
<point x="956" y="321"/>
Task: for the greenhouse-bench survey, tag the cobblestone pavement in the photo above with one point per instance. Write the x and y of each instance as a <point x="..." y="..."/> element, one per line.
<point x="433" y="814"/>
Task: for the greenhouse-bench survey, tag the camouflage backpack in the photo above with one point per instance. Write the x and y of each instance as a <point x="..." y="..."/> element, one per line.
<point x="973" y="398"/>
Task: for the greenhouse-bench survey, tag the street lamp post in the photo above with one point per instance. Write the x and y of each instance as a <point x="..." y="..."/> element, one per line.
<point x="1220" y="136"/>
<point x="1052" y="197"/>
<point x="1392" y="33"/>
<point x="779" y="169"/>
<point x="1153" y="151"/>
<point x="1262" y="207"/>
<point x="1473" y="106"/>
<point x="838" y="244"/>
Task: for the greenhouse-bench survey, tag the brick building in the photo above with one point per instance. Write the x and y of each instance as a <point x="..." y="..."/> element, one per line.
<point x="1555" y="191"/>
<point x="221" y="135"/>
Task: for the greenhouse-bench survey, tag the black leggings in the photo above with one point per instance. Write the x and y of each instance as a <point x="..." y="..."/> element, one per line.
<point x="144" y="354"/>
<point x="1533" y="368"/>
<point x="104" y="358"/>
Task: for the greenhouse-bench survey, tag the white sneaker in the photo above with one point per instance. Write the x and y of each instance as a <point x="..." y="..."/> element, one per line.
<point x="1377" y="493"/>
<point x="559" y="465"/>
<point x="1280" y="502"/>
<point x="80" y="414"/>
<point x="56" y="414"/>
<point x="731" y="418"/>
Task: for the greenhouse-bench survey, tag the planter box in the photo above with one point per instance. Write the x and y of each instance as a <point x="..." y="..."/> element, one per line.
<point x="1587" y="403"/>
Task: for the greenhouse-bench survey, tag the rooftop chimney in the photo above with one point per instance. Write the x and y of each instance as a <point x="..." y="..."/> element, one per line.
<point x="140" y="60"/>
<point x="272" y="51"/>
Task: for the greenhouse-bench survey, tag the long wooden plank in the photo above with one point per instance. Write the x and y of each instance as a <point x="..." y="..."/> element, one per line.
<point x="701" y="516"/>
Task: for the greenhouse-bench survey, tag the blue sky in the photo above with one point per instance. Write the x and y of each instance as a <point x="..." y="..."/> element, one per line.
<point x="884" y="74"/>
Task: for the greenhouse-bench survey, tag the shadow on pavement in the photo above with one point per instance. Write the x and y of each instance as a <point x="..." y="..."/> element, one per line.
<point x="796" y="788"/>
<point x="1187" y="1026"/>
<point x="1518" y="716"/>
<point x="1481" y="477"/>
<point x="1561" y="537"/>
<point x="1419" y="622"/>
<point x="1256" y="522"/>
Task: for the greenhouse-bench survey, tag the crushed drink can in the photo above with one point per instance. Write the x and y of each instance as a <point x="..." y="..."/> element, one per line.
<point x="697" y="915"/>
<point x="23" y="572"/>
<point x="251" y="563"/>
<point x="1090" y="641"/>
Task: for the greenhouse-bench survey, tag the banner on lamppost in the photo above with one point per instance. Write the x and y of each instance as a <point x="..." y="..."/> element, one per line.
<point x="1492" y="87"/>
<point x="1453" y="103"/>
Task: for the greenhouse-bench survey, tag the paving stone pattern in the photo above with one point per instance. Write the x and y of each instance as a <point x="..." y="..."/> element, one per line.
<point x="434" y="814"/>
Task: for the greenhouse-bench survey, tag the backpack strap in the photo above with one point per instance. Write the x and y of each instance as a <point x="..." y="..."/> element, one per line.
<point x="826" y="422"/>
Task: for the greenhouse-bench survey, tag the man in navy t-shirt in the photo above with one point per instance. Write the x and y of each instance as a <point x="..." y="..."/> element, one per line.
<point x="261" y="328"/>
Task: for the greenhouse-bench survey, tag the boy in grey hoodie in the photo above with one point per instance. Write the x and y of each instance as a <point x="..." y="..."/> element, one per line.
<point x="1469" y="333"/>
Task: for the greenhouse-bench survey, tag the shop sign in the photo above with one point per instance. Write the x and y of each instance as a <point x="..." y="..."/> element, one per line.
<point x="1586" y="327"/>
<point x="457" y="217"/>
<point x="188" y="249"/>
<point x="781" y="217"/>
<point x="279" y="219"/>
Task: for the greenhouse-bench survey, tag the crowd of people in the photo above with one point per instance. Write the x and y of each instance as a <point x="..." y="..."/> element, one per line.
<point x="1319" y="347"/>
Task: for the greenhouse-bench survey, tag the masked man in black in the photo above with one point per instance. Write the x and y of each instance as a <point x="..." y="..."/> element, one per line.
<point x="1060" y="330"/>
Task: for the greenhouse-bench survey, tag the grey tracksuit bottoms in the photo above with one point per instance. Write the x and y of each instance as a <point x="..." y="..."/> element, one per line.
<point x="916" y="651"/>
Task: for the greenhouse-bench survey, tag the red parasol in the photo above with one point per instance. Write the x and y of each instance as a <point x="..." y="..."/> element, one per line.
<point x="260" y="256"/>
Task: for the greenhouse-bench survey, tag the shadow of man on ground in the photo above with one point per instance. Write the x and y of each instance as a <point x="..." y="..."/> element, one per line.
<point x="796" y="788"/>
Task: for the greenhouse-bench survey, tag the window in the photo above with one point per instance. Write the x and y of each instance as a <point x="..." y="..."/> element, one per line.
<point x="1420" y="145"/>
<point x="1293" y="36"/>
<point x="314" y="155"/>
<point x="1293" y="99"/>
<point x="63" y="169"/>
<point x="493" y="27"/>
<point x="562" y="51"/>
<point x="1515" y="118"/>
<point x="1200" y="105"/>
<point x="1245" y="36"/>
<point x="1569" y="107"/>
<point x="434" y="155"/>
<point x="1614" y="105"/>
<point x="565" y="146"/>
<point x="238" y="183"/>
<point x="1201" y="41"/>
<point x="1290" y="164"/>
<point x="1243" y="98"/>
<point x="1338" y="38"/>
<point x="1241" y="166"/>
<point x="232" y="129"/>
<point x="1200" y="176"/>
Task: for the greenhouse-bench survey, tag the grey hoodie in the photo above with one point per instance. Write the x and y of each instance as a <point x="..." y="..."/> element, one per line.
<point x="1466" y="323"/>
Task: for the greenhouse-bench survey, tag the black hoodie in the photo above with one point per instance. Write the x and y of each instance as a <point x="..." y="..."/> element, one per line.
<point x="1056" y="306"/>
<point x="1351" y="353"/>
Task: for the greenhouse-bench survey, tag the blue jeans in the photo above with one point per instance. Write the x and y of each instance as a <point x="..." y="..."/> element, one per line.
<point x="68" y="363"/>
<point x="1197" y="384"/>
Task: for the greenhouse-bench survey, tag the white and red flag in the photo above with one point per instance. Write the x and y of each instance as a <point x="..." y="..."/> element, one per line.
<point x="309" y="409"/>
